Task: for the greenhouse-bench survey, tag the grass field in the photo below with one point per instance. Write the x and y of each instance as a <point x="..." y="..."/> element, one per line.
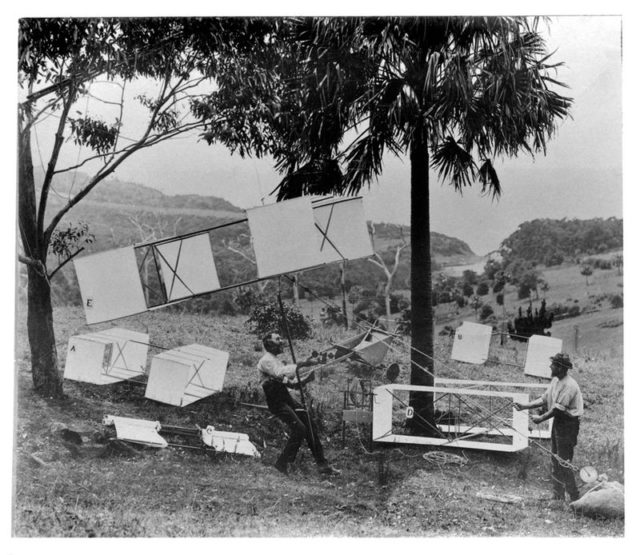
<point x="176" y="492"/>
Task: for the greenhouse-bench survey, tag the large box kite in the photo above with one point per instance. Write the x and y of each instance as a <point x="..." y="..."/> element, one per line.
<point x="539" y="352"/>
<point x="184" y="375"/>
<point x="471" y="343"/>
<point x="106" y="357"/>
<point x="484" y="420"/>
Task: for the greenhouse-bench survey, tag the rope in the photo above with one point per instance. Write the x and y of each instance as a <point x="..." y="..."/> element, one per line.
<point x="480" y="409"/>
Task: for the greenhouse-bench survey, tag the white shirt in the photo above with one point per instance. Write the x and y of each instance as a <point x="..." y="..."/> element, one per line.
<point x="565" y="396"/>
<point x="269" y="366"/>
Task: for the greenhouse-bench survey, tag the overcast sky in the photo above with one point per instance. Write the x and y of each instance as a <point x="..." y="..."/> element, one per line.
<point x="580" y="177"/>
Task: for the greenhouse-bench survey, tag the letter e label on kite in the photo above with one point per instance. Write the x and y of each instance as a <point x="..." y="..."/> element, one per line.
<point x="110" y="285"/>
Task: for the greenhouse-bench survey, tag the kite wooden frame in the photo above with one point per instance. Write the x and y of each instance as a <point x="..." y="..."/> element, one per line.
<point x="383" y="420"/>
<point x="541" y="431"/>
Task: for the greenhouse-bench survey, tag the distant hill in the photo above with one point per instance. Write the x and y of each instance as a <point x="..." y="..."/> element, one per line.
<point x="551" y="242"/>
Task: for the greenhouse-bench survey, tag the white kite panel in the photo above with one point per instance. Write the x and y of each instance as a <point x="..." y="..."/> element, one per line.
<point x="471" y="343"/>
<point x="136" y="431"/>
<point x="342" y="229"/>
<point x="229" y="442"/>
<point x="110" y="285"/>
<point x="168" y="378"/>
<point x="187" y="267"/>
<point x="540" y="349"/>
<point x="284" y="237"/>
<point x="106" y="357"/>
<point x="184" y="375"/>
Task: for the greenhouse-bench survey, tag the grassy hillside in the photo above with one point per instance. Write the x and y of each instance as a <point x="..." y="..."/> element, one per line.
<point x="87" y="490"/>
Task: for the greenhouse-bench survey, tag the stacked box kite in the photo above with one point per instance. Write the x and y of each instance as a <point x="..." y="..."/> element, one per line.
<point x="182" y="376"/>
<point x="106" y="357"/>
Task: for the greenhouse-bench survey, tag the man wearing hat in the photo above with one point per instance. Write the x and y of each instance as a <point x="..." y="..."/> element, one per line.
<point x="562" y="401"/>
<point x="276" y="377"/>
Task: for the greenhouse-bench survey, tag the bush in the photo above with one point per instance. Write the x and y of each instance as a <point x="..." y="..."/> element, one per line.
<point x="524" y="291"/>
<point x="482" y="289"/>
<point x="404" y="322"/>
<point x="265" y="317"/>
<point x="574" y="310"/>
<point x="485" y="311"/>
<point x="616" y="301"/>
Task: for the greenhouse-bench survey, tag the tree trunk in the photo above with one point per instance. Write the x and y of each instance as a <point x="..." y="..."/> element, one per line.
<point x="423" y="422"/>
<point x="42" y="343"/>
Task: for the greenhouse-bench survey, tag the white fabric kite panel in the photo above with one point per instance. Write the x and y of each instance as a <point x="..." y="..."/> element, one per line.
<point x="110" y="285"/>
<point x="168" y="378"/>
<point x="540" y="349"/>
<point x="106" y="357"/>
<point x="229" y="442"/>
<point x="135" y="430"/>
<point x="85" y="360"/>
<point x="128" y="353"/>
<point x="209" y="367"/>
<point x="342" y="230"/>
<point x="471" y="343"/>
<point x="284" y="237"/>
<point x="188" y="267"/>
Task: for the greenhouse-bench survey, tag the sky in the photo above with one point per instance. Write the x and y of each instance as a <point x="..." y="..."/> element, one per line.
<point x="580" y="176"/>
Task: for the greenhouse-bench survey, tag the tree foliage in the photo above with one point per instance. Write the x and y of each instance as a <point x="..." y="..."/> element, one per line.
<point x="550" y="242"/>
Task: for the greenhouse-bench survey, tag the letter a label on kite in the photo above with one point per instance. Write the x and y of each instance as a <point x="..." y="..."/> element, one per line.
<point x="110" y="285"/>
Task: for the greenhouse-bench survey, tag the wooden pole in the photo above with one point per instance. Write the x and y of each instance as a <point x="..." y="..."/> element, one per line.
<point x="293" y="357"/>
<point x="344" y="294"/>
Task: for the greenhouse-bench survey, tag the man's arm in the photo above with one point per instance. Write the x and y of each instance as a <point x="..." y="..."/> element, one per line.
<point x="537" y="403"/>
<point x="545" y="416"/>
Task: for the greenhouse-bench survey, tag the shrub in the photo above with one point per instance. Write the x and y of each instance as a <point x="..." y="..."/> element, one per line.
<point x="482" y="289"/>
<point x="467" y="289"/>
<point x="524" y="291"/>
<point x="485" y="311"/>
<point x="265" y="317"/>
<point x="574" y="310"/>
<point x="616" y="301"/>
<point x="404" y="322"/>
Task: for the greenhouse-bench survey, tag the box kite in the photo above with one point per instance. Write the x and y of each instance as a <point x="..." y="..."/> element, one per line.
<point x="184" y="375"/>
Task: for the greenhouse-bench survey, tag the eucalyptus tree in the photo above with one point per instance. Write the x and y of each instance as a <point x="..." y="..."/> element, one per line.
<point x="328" y="97"/>
<point x="58" y="61"/>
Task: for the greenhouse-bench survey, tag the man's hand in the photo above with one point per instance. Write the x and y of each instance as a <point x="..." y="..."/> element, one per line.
<point x="519" y="406"/>
<point x="537" y="419"/>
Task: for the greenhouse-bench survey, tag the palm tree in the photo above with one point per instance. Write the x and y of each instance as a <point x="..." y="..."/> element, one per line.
<point x="451" y="92"/>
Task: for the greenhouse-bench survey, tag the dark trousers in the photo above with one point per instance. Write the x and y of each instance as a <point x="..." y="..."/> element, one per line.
<point x="297" y="420"/>
<point x="564" y="437"/>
